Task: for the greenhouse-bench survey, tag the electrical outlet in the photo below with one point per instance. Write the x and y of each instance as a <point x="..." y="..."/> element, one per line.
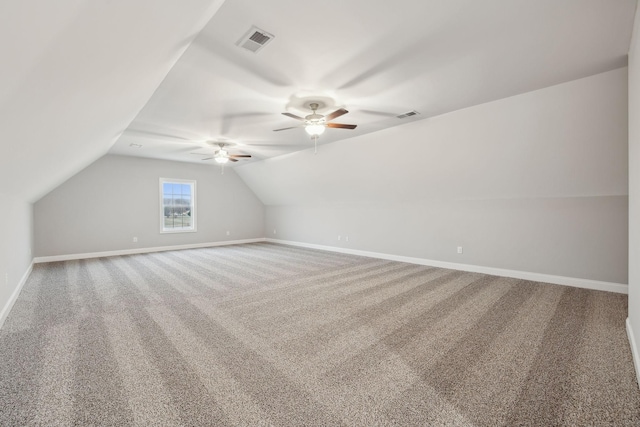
<point x="459" y="249"/>
<point x="135" y="240"/>
<point x="228" y="232"/>
<point x="346" y="238"/>
<point x="274" y="231"/>
<point x="339" y="238"/>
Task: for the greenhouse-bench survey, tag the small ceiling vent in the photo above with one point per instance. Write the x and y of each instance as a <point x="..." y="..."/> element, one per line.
<point x="407" y="114"/>
<point x="255" y="39"/>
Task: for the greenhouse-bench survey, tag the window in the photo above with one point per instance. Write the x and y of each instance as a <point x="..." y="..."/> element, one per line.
<point x="177" y="205"/>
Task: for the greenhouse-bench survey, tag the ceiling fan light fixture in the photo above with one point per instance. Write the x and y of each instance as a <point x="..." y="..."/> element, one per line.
<point x="315" y="129"/>
<point x="222" y="156"/>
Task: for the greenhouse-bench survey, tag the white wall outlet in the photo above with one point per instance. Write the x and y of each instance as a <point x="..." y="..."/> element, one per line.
<point x="135" y="240"/>
<point x="346" y="238"/>
<point x="228" y="232"/>
<point x="339" y="238"/>
<point x="459" y="249"/>
<point x="274" y="231"/>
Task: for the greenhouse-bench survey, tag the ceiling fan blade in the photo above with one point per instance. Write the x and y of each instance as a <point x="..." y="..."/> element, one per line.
<point x="245" y="156"/>
<point x="335" y="114"/>
<point x="231" y="159"/>
<point x="208" y="158"/>
<point x="340" y="126"/>
<point x="292" y="127"/>
<point x="293" y="116"/>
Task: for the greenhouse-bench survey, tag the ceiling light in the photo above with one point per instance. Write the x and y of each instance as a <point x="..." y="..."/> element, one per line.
<point x="222" y="156"/>
<point x="314" y="129"/>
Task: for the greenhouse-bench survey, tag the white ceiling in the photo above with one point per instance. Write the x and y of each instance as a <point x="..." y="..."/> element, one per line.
<point x="376" y="59"/>
<point x="74" y="74"/>
<point x="82" y="78"/>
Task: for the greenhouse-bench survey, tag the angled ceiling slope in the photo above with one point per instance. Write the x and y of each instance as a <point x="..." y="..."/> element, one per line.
<point x="75" y="75"/>
<point x="376" y="59"/>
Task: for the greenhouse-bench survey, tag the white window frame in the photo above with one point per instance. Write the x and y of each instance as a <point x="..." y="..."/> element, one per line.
<point x="193" y="227"/>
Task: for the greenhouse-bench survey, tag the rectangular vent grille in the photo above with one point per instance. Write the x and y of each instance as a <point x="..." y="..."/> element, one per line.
<point x="255" y="39"/>
<point x="259" y="38"/>
<point x="407" y="114"/>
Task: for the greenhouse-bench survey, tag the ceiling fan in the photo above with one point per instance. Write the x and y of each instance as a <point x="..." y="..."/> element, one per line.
<point x="222" y="156"/>
<point x="315" y="124"/>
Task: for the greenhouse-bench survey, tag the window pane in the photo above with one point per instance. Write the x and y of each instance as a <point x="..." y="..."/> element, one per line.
<point x="178" y="200"/>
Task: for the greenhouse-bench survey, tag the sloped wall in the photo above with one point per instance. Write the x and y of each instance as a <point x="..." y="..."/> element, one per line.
<point x="117" y="198"/>
<point x="536" y="182"/>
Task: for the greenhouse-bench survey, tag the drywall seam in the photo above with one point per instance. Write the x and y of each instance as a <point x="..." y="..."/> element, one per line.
<point x="526" y="275"/>
<point x="69" y="257"/>
<point x="14" y="296"/>
<point x="634" y="350"/>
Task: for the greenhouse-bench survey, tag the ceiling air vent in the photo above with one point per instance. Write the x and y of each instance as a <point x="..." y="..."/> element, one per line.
<point x="407" y="114"/>
<point x="255" y="39"/>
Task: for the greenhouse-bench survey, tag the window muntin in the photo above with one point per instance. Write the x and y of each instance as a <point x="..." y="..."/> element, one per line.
<point x="177" y="205"/>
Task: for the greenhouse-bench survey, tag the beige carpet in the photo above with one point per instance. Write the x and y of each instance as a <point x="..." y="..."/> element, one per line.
<point x="266" y="334"/>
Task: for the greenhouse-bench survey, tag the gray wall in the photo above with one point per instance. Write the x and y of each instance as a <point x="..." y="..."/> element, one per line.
<point x="536" y="182"/>
<point x="116" y="198"/>
<point x="634" y="188"/>
<point x="544" y="235"/>
<point x="16" y="242"/>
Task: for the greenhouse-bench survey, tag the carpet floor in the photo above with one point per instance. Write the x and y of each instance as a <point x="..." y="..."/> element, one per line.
<point x="267" y="334"/>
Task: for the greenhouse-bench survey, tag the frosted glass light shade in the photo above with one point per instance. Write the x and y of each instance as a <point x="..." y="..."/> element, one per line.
<point x="314" y="129"/>
<point x="222" y="156"/>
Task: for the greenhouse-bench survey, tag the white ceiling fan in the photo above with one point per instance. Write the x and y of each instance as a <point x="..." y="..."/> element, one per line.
<point x="315" y="124"/>
<point x="222" y="156"/>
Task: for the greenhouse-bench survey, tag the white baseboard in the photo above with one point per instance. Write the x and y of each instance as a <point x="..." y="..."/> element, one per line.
<point x="14" y="296"/>
<point x="635" y="352"/>
<point x="525" y="275"/>
<point x="69" y="257"/>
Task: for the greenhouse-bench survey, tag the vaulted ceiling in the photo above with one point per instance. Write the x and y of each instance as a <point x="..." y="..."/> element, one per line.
<point x="377" y="60"/>
<point x="75" y="74"/>
<point x="161" y="78"/>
